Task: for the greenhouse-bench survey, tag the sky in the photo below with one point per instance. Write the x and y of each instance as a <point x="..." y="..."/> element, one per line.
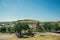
<point x="42" y="10"/>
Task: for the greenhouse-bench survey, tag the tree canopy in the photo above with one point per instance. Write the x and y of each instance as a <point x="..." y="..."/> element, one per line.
<point x="21" y="26"/>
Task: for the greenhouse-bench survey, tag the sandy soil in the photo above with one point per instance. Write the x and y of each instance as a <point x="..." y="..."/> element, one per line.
<point x="36" y="37"/>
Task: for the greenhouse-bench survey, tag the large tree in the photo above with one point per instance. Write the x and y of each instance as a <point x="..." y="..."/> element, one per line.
<point x="22" y="29"/>
<point x="21" y="26"/>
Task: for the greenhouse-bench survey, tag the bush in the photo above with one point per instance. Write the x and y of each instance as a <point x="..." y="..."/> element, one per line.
<point x="3" y="29"/>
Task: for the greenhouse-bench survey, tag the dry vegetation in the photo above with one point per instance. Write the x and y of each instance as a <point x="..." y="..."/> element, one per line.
<point x="37" y="37"/>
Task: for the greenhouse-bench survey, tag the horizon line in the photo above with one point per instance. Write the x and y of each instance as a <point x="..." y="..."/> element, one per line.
<point x="26" y="19"/>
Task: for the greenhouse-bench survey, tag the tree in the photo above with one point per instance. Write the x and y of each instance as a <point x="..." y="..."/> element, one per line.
<point x="0" y="29"/>
<point x="3" y="29"/>
<point x="38" y="28"/>
<point x="10" y="29"/>
<point x="56" y="27"/>
<point x="21" y="26"/>
<point x="47" y="26"/>
<point x="22" y="29"/>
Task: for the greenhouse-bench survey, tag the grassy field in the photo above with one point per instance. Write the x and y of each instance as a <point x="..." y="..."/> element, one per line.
<point x="36" y="37"/>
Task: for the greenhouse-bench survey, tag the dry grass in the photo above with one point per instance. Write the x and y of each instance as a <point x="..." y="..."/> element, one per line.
<point x="37" y="37"/>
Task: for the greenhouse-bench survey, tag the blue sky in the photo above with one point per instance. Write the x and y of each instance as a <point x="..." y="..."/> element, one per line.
<point x="42" y="10"/>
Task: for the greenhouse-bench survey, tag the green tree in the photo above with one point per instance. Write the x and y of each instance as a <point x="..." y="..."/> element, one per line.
<point x="0" y="29"/>
<point x="47" y="26"/>
<point x="3" y="29"/>
<point x="22" y="29"/>
<point x="38" y="28"/>
<point x="21" y="26"/>
<point x="55" y="27"/>
<point x="10" y="29"/>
